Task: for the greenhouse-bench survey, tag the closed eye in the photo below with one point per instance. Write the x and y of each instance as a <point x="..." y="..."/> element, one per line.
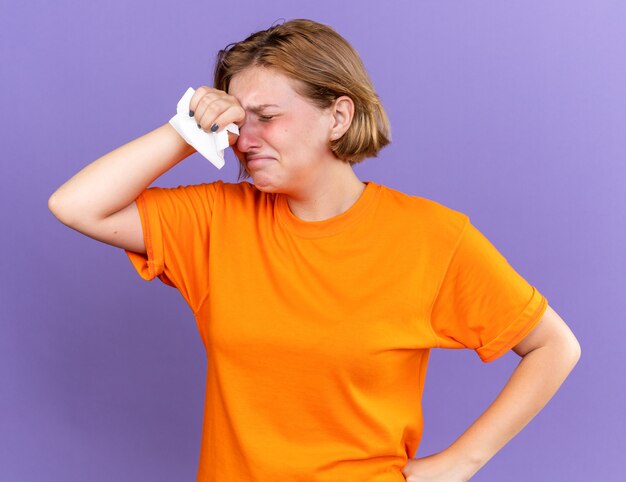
<point x="265" y="118"/>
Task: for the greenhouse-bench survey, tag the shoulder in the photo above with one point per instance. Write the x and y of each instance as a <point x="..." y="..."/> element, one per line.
<point x="243" y="191"/>
<point x="244" y="197"/>
<point x="243" y="188"/>
<point x="182" y="194"/>
<point x="209" y="190"/>
<point x="429" y="215"/>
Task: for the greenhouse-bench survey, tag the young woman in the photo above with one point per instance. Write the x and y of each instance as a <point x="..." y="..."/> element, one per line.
<point x="318" y="296"/>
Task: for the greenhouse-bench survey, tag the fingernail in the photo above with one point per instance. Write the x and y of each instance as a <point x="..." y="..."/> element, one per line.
<point x="198" y="126"/>
<point x="190" y="113"/>
<point x="214" y="127"/>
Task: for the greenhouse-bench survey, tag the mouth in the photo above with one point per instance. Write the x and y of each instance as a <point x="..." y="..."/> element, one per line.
<point x="258" y="161"/>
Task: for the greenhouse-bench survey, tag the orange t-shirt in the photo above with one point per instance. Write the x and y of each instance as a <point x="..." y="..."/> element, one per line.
<point x="318" y="333"/>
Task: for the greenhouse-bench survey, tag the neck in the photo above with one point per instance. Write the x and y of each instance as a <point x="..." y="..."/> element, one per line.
<point x="333" y="195"/>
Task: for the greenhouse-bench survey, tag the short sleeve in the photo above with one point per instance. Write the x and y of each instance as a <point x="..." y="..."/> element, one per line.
<point x="482" y="302"/>
<point x="176" y="230"/>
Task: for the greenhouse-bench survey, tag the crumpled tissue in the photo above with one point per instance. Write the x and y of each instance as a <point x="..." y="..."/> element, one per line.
<point x="210" y="144"/>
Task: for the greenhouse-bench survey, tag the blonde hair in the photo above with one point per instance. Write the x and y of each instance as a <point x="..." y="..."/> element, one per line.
<point x="327" y="67"/>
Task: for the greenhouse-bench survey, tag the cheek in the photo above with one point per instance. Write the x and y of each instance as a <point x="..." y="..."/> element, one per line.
<point x="308" y="134"/>
<point x="288" y="135"/>
<point x="282" y="136"/>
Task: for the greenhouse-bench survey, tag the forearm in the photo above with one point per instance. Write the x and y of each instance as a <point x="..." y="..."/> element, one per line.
<point x="533" y="383"/>
<point x="113" y="181"/>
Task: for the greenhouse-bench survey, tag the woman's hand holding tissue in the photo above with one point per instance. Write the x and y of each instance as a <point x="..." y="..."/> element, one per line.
<point x="214" y="109"/>
<point x="207" y="119"/>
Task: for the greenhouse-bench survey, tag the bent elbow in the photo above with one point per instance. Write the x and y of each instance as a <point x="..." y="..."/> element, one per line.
<point x="55" y="206"/>
<point x="570" y="351"/>
<point x="576" y="349"/>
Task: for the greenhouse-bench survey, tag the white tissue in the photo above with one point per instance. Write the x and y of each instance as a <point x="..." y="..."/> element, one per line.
<point x="210" y="144"/>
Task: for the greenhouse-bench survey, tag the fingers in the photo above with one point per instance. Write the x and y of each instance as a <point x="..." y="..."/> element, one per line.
<point x="218" y="114"/>
<point x="213" y="109"/>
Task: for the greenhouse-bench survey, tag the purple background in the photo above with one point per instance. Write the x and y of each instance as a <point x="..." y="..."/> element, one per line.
<point x="512" y="112"/>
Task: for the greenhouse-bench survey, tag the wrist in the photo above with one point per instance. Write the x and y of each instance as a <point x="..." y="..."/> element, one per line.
<point x="468" y="462"/>
<point x="183" y="145"/>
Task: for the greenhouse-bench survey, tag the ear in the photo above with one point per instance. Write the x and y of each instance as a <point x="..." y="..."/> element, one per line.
<point x="342" y="113"/>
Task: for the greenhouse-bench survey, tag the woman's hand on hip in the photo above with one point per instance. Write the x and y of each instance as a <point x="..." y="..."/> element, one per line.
<point x="439" y="467"/>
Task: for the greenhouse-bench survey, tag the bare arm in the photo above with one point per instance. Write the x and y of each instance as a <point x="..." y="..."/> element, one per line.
<point x="99" y="201"/>
<point x="115" y="180"/>
<point x="111" y="184"/>
<point x="549" y="353"/>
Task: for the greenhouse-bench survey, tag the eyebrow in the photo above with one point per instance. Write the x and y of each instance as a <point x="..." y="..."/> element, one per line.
<point x="259" y="108"/>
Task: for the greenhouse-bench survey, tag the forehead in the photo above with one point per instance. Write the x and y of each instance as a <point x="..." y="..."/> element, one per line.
<point x="257" y="87"/>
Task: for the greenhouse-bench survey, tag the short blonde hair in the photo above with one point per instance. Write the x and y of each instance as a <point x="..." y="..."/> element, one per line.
<point x="327" y="67"/>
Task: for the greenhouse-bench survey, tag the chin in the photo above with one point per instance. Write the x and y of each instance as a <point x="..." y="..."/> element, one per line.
<point x="265" y="187"/>
<point x="264" y="183"/>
